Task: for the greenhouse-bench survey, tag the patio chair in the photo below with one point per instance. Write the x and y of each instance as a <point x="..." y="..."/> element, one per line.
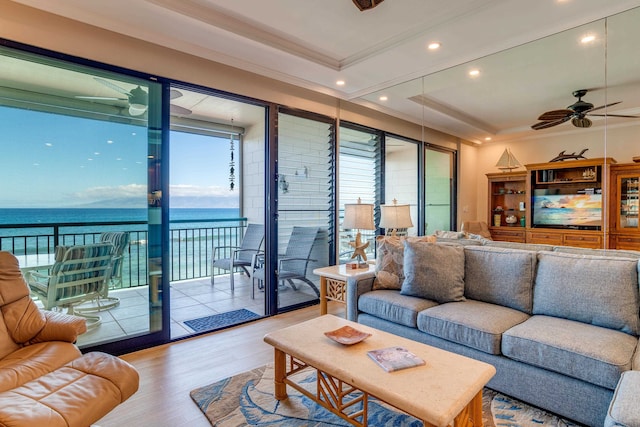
<point x="78" y="275"/>
<point x="293" y="264"/>
<point x="103" y="301"/>
<point x="120" y="241"/>
<point x="232" y="257"/>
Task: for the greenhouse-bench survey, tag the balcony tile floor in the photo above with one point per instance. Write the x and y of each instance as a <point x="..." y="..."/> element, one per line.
<point x="190" y="299"/>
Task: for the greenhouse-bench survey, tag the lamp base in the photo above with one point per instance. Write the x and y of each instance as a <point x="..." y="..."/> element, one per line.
<point x="356" y="265"/>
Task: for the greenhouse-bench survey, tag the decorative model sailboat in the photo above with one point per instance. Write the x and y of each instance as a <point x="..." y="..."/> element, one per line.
<point x="507" y="161"/>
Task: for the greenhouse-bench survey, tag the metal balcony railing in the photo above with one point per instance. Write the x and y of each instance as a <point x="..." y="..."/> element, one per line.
<point x="191" y="243"/>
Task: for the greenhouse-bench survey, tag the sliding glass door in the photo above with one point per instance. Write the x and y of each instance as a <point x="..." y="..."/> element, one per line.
<point x="82" y="167"/>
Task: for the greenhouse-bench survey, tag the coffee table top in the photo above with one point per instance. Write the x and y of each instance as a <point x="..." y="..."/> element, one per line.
<point x="435" y="392"/>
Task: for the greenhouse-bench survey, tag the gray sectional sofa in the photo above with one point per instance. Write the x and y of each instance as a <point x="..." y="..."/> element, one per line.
<point x="559" y="324"/>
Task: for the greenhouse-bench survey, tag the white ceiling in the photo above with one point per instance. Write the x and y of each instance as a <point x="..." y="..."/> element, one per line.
<point x="313" y="44"/>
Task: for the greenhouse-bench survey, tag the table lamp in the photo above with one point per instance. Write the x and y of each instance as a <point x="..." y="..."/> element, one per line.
<point x="358" y="216"/>
<point x="395" y="216"/>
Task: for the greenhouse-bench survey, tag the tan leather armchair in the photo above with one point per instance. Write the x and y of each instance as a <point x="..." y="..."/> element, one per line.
<point x="44" y="378"/>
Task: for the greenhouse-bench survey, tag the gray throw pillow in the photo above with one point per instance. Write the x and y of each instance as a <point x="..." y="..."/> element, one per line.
<point x="433" y="271"/>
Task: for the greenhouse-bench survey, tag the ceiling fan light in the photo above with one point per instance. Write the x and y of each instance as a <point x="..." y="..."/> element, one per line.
<point x="581" y="122"/>
<point x="137" y="109"/>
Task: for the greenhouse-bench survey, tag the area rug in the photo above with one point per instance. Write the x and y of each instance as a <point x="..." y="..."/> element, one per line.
<point x="247" y="400"/>
<point x="221" y="320"/>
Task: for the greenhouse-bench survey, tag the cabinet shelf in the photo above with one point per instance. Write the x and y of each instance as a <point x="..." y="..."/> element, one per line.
<point x="624" y="224"/>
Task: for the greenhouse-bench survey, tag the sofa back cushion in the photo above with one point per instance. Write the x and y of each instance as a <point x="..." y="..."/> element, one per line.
<point x="602" y="291"/>
<point x="601" y="252"/>
<point x="500" y="276"/>
<point x="433" y="271"/>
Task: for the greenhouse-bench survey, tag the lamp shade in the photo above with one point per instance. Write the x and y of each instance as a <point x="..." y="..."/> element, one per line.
<point x="358" y="216"/>
<point x="395" y="216"/>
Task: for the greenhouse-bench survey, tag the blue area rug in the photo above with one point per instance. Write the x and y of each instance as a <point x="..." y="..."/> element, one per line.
<point x="221" y="320"/>
<point x="247" y="400"/>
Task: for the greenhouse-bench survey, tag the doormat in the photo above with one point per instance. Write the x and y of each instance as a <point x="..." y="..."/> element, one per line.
<point x="221" y="320"/>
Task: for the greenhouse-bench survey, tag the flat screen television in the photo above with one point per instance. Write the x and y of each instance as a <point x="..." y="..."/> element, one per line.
<point x="578" y="211"/>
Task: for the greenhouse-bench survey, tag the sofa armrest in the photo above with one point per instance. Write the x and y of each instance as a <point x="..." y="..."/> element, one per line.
<point x="60" y="327"/>
<point x="356" y="286"/>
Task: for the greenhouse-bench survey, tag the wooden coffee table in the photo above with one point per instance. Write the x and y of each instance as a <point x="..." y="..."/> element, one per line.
<point x="446" y="391"/>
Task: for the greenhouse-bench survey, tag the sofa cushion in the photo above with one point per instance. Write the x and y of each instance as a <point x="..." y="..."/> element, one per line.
<point x="33" y="361"/>
<point x="392" y="306"/>
<point x="390" y="260"/>
<point x="475" y="324"/>
<point x="586" y="352"/>
<point x="433" y="271"/>
<point x="602" y="291"/>
<point x="500" y="276"/>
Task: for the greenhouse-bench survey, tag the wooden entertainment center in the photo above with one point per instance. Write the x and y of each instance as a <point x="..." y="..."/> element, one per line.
<point x="591" y="203"/>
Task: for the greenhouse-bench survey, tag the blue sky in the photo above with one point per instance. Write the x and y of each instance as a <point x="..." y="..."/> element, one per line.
<point x="50" y="160"/>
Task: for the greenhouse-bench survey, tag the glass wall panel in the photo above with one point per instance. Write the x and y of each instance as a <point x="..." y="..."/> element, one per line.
<point x="439" y="190"/>
<point x="360" y="174"/>
<point x="305" y="205"/>
<point x="401" y="177"/>
<point x="82" y="171"/>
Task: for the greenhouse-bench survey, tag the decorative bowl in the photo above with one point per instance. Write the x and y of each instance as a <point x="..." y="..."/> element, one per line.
<point x="347" y="335"/>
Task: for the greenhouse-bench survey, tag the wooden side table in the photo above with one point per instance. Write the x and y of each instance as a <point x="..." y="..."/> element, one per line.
<point x="333" y="283"/>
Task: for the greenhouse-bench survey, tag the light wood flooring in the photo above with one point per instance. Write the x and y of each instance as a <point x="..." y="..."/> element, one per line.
<point x="169" y="372"/>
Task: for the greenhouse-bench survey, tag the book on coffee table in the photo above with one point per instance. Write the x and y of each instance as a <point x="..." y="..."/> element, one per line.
<point x="395" y="358"/>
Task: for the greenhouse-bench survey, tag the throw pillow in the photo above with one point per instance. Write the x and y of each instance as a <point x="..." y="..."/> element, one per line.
<point x="390" y="260"/>
<point x="433" y="271"/>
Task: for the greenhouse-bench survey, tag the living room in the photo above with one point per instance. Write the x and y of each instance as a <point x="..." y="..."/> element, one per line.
<point x="475" y="156"/>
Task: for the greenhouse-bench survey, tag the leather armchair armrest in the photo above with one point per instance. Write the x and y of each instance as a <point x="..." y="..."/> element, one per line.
<point x="60" y="327"/>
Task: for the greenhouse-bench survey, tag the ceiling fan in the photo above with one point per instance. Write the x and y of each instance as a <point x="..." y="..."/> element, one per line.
<point x="138" y="98"/>
<point x="575" y="112"/>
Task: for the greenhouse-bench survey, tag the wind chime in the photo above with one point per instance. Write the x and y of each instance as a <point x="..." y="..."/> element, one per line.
<point x="232" y="169"/>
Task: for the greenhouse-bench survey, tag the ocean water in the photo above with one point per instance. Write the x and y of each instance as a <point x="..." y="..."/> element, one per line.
<point x="62" y="216"/>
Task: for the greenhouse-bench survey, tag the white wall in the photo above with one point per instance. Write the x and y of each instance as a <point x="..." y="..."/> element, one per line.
<point x="253" y="174"/>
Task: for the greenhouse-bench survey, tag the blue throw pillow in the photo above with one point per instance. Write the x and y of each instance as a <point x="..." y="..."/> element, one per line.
<point x="433" y="271"/>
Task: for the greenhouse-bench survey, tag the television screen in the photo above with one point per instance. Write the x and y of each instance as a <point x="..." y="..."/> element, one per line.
<point x="567" y="210"/>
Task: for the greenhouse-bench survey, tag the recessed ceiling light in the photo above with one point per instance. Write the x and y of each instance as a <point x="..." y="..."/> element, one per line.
<point x="588" y="39"/>
<point x="488" y="138"/>
<point x="340" y="83"/>
<point x="48" y="144"/>
<point x="474" y="73"/>
<point x="434" y="45"/>
<point x="383" y="98"/>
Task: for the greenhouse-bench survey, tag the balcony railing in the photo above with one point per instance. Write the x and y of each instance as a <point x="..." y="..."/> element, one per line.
<point x="191" y="243"/>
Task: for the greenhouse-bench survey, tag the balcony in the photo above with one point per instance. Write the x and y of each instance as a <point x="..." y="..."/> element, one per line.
<point x="192" y="295"/>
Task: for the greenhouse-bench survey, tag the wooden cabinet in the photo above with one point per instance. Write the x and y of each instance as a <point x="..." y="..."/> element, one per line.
<point x="623" y="208"/>
<point x="568" y="202"/>
<point x="507" y="204"/>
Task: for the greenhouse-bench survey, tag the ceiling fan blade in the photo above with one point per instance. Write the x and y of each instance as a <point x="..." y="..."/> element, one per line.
<point x="176" y="109"/>
<point x="614" y="115"/>
<point x="112" y="86"/>
<point x="603" y="106"/>
<point x="175" y="93"/>
<point x="549" y="123"/>
<point x="555" y="115"/>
